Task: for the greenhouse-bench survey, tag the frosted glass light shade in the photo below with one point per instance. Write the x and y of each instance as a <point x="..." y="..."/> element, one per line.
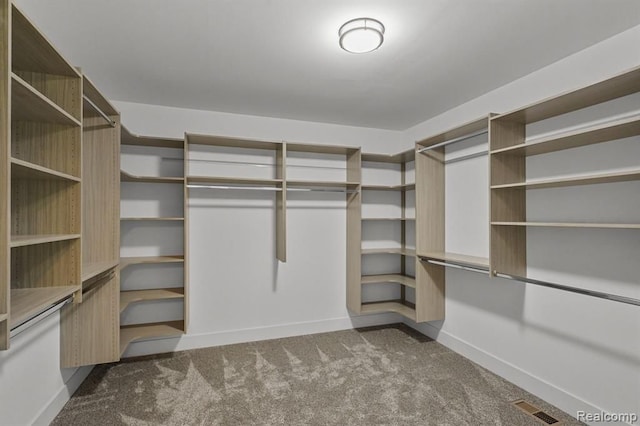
<point x="361" y="35"/>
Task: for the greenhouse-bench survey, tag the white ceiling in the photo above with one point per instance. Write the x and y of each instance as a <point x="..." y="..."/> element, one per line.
<point x="280" y="58"/>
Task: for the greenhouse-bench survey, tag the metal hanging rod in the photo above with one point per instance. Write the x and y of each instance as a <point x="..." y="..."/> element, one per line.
<point x="450" y="141"/>
<point x="99" y="111"/>
<point x="467" y="157"/>
<point x="585" y="292"/>
<point x="456" y="266"/>
<point x="33" y="320"/>
<point x="346" y="191"/>
<point x="248" y="188"/>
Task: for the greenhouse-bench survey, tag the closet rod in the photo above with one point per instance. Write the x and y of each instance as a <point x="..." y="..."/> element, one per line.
<point x="467" y="157"/>
<point x="99" y="111"/>
<point x="585" y="292"/>
<point x="33" y="320"/>
<point x="242" y="163"/>
<point x="450" y="141"/>
<point x="456" y="266"/>
<point x="249" y="188"/>
<point x="346" y="191"/>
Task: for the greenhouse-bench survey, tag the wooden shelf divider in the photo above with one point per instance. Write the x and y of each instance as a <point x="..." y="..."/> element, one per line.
<point x="392" y="306"/>
<point x="30" y="240"/>
<point x="389" y="278"/>
<point x="27" y="302"/>
<point x="134" y="296"/>
<point x="398" y="250"/>
<point x="28" y="104"/>
<point x="626" y="176"/>
<point x="21" y="169"/>
<point x="128" y="177"/>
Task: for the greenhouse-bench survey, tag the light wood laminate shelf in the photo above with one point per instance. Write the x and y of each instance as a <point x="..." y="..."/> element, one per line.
<point x="32" y="240"/>
<point x="133" y="333"/>
<point x="21" y="169"/>
<point x="321" y="149"/>
<point x="384" y="307"/>
<point x="388" y="218"/>
<point x="141" y="260"/>
<point x="617" y="86"/>
<point x="134" y="296"/>
<point x="4" y="317"/>
<point x="27" y="104"/>
<point x="128" y="138"/>
<point x="91" y="270"/>
<point x="462" y="259"/>
<point x="128" y="177"/>
<point x="402" y="251"/>
<point x="33" y="51"/>
<point x="574" y="181"/>
<point x="389" y="278"/>
<point x="26" y="302"/>
<point x="570" y="225"/>
<point x="403" y="157"/>
<point x="321" y="184"/>
<point x="194" y="139"/>
<point x="151" y="219"/>
<point x="406" y="187"/>
<point x="224" y="180"/>
<point x="609" y="131"/>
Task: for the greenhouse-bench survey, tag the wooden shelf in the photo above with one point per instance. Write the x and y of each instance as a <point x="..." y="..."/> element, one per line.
<point x="570" y="225"/>
<point x="153" y="219"/>
<point x="321" y="149"/>
<point x="610" y="131"/>
<point x="32" y="51"/>
<point x="321" y="184"/>
<point x="402" y="251"/>
<point x="462" y="259"/>
<point x="4" y="317"/>
<point x="390" y="278"/>
<point x="27" y="104"/>
<point x="406" y="187"/>
<point x="133" y="333"/>
<point x="127" y="261"/>
<point x="574" y="181"/>
<point x="27" y="302"/>
<point x="31" y="240"/>
<point x="224" y="180"/>
<point x="91" y="270"/>
<point x="128" y="138"/>
<point x="128" y="177"/>
<point x="135" y="296"/>
<point x="389" y="218"/>
<point x="383" y="307"/>
<point x="195" y="139"/>
<point x="620" y="85"/>
<point x="21" y="169"/>
<point x="403" y="157"/>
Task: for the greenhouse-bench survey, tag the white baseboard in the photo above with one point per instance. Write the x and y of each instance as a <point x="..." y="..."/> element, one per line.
<point x="544" y="390"/>
<point x="205" y="340"/>
<point x="57" y="402"/>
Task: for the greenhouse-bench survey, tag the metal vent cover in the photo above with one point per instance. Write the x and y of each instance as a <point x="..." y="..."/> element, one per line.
<point x="534" y="411"/>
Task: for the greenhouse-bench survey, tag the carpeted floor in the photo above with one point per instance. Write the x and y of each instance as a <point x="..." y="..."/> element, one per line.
<point x="377" y="376"/>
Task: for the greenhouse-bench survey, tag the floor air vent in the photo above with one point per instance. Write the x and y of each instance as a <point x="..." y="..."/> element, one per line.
<point x="536" y="412"/>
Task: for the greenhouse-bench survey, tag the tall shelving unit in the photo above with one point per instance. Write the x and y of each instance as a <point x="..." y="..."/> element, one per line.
<point x="148" y="293"/>
<point x="41" y="152"/>
<point x="430" y="222"/>
<point x="90" y="330"/>
<point x="401" y="277"/>
<point x="510" y="148"/>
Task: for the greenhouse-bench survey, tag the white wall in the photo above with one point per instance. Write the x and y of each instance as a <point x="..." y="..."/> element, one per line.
<point x="576" y="352"/>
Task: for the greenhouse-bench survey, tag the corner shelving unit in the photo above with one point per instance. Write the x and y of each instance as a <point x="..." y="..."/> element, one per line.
<point x="130" y="333"/>
<point x="40" y="124"/>
<point x="401" y="277"/>
<point x="510" y="148"/>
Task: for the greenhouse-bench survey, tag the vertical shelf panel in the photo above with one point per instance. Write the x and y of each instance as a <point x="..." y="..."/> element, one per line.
<point x="281" y="204"/>
<point x="185" y="266"/>
<point x="5" y="135"/>
<point x="354" y="233"/>
<point x="430" y="228"/>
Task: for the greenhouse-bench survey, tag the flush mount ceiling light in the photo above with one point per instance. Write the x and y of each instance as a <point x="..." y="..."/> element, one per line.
<point x="361" y="35"/>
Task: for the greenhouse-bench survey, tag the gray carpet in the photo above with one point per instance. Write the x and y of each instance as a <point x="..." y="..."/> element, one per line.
<point x="377" y="376"/>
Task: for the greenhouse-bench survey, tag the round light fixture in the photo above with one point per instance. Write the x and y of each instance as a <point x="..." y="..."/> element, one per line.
<point x="361" y="35"/>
